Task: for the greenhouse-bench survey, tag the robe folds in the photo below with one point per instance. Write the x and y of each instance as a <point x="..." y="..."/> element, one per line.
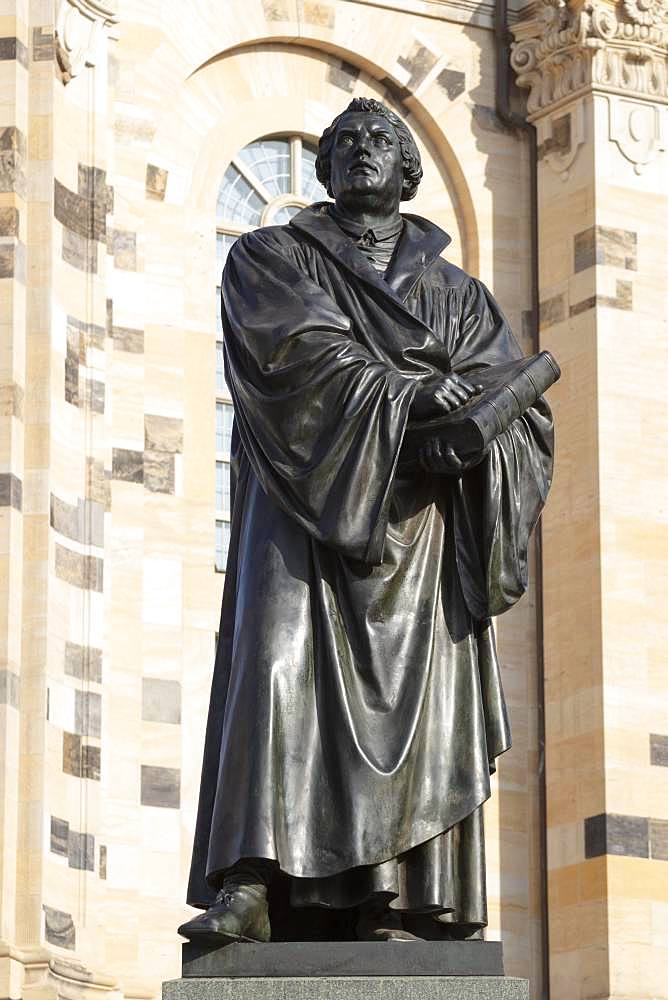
<point x="356" y="708"/>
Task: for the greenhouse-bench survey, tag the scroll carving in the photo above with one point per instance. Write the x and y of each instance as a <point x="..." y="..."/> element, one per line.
<point x="82" y="28"/>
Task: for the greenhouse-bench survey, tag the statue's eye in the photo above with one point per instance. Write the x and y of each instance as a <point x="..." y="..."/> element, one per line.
<point x="345" y="140"/>
<point x="382" y="140"/>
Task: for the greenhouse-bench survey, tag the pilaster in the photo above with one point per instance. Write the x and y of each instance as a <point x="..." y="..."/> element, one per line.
<point x="597" y="78"/>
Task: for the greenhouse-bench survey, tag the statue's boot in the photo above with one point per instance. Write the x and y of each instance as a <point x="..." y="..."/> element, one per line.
<point x="376" y="922"/>
<point x="240" y="913"/>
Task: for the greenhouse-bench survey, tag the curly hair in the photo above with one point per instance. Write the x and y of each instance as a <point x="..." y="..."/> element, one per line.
<point x="409" y="151"/>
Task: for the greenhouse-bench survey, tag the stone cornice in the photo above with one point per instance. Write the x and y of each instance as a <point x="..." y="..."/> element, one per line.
<point x="568" y="48"/>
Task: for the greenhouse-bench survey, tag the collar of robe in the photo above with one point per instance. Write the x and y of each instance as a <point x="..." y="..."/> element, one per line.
<point x="420" y="243"/>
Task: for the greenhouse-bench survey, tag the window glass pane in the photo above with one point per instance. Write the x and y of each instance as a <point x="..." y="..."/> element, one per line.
<point x="221" y="386"/>
<point x="269" y="161"/>
<point x="237" y="200"/>
<point x="224" y="418"/>
<point x="224" y="244"/>
<point x="222" y="545"/>
<point x="312" y="189"/>
<point x="223" y="488"/>
<point x="284" y="214"/>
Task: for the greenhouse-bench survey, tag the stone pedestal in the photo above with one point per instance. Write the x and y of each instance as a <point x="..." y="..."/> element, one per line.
<point x="421" y="970"/>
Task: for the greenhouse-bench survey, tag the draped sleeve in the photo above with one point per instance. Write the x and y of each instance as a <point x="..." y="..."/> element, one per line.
<point x="496" y="505"/>
<point x="320" y="418"/>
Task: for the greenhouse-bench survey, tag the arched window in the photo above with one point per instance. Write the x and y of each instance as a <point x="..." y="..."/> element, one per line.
<point x="266" y="183"/>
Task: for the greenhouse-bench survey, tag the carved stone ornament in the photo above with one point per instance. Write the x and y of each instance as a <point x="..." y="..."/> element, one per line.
<point x="569" y="48"/>
<point x="82" y="28"/>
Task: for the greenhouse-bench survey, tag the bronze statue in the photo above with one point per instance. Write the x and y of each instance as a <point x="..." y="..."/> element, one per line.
<point x="356" y="709"/>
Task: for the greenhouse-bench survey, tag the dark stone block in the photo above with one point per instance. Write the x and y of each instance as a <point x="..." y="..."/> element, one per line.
<point x="419" y="62"/>
<point x="95" y="395"/>
<point x="452" y="81"/>
<point x="81" y="851"/>
<point x="11" y="400"/>
<point x="658" y="750"/>
<point x="161" y="700"/>
<point x="156" y="182"/>
<point x="83" y="523"/>
<point x="13" y="149"/>
<point x="42" y="44"/>
<point x="658" y="839"/>
<point x="72" y="368"/>
<point x="11" y="491"/>
<point x="159" y="472"/>
<point x="81" y="215"/>
<point x="72" y="754"/>
<point x="92" y="184"/>
<point x="90" y="762"/>
<point x="580" y="307"/>
<point x="343" y="74"/>
<point x="622" y="300"/>
<point x="59" y="928"/>
<point x="160" y="786"/>
<point x="602" y="245"/>
<point x="127" y="465"/>
<point x="584" y="249"/>
<point x="7" y="260"/>
<point x="9" y="221"/>
<point x="80" y="570"/>
<point x="103" y="861"/>
<point x="85" y="335"/>
<point x="60" y="833"/>
<point x="613" y="833"/>
<point x="163" y="434"/>
<point x="13" y="48"/>
<point x="79" y="252"/>
<point x="98" y="482"/>
<point x="88" y="713"/>
<point x="65" y="518"/>
<point x="617" y="247"/>
<point x="9" y="688"/>
<point x="7" y="48"/>
<point x="83" y="662"/>
<point x="123" y="245"/>
<point x="317" y="959"/>
<point x="127" y="339"/>
<point x="552" y="311"/>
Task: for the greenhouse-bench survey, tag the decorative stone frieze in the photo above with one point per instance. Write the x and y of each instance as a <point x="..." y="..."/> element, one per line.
<point x="568" y="48"/>
<point x="82" y="28"/>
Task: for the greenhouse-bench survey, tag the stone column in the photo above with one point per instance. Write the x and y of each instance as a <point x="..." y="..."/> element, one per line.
<point x="597" y="79"/>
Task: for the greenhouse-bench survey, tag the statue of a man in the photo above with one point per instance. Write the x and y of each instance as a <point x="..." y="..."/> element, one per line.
<point x="356" y="709"/>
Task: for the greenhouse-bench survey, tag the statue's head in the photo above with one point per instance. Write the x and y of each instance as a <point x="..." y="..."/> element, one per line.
<point x="368" y="155"/>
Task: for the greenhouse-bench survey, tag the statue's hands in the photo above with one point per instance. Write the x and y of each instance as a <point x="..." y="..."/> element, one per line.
<point x="440" y="457"/>
<point x="436" y="396"/>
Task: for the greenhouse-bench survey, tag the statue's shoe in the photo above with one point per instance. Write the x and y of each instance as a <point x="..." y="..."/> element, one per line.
<point x="240" y="913"/>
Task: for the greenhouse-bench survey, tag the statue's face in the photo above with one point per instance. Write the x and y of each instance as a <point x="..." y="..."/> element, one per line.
<point x="366" y="165"/>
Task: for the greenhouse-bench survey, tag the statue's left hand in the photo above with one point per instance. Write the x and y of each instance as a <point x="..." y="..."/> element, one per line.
<point x="440" y="457"/>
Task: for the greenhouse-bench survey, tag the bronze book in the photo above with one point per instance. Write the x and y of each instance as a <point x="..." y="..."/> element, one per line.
<point x="507" y="391"/>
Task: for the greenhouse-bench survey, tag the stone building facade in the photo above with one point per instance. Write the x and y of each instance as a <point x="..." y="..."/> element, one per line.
<point x="137" y="139"/>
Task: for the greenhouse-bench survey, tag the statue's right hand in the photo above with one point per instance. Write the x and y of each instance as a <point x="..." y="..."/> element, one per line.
<point x="437" y="396"/>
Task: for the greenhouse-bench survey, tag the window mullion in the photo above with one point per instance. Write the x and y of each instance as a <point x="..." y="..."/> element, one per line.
<point x="254" y="181"/>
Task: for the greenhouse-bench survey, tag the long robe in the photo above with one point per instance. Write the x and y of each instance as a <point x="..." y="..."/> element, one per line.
<point x="356" y="707"/>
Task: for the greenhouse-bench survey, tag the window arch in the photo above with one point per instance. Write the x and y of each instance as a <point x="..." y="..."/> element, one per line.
<point x="267" y="182"/>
